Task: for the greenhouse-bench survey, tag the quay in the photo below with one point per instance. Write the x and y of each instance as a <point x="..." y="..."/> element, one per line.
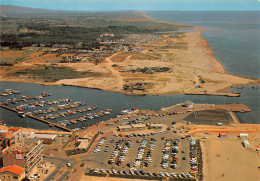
<point x="36" y="118"/>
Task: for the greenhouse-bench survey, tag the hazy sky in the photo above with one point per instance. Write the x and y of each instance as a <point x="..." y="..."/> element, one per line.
<point x="111" y="5"/>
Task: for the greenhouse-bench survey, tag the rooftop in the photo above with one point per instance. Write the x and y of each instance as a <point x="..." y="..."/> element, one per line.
<point x="138" y="125"/>
<point x="22" y="147"/>
<point x="13" y="169"/>
<point x="125" y="127"/>
<point x="158" y="125"/>
<point x="48" y="136"/>
<point x="3" y="131"/>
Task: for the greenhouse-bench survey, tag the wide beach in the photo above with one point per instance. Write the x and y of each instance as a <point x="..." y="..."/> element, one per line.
<point x="192" y="68"/>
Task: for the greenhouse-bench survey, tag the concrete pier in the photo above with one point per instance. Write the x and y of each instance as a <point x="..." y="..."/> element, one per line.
<point x="36" y="118"/>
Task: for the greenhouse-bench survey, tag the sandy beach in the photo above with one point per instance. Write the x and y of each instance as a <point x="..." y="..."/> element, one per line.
<point x="192" y="69"/>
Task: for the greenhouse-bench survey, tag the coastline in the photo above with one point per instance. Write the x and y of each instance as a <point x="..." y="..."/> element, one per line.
<point x="206" y="65"/>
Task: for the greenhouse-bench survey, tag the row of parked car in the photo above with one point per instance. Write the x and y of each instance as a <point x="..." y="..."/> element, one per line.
<point x="120" y="151"/>
<point x="140" y="153"/>
<point x="100" y="143"/>
<point x="166" y="153"/>
<point x="134" y="171"/>
<point x="121" y="157"/>
<point x="175" y="150"/>
<point x="193" y="154"/>
<point x="170" y="152"/>
<point x="149" y="153"/>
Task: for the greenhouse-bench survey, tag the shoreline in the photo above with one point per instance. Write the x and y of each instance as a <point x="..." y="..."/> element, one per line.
<point x="212" y="66"/>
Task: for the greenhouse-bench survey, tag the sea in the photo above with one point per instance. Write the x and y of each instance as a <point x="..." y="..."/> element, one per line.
<point x="234" y="38"/>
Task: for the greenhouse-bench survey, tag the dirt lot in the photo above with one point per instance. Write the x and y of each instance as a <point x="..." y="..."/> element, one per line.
<point x="227" y="159"/>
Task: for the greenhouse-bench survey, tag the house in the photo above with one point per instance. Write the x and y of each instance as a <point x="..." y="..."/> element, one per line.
<point x="12" y="172"/>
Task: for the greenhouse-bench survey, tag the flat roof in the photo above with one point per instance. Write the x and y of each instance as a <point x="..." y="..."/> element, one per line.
<point x="156" y="125"/>
<point x="125" y="127"/>
<point x="138" y="125"/>
<point x="23" y="146"/>
<point x="3" y="131"/>
<point x="83" y="145"/>
<point x="48" y="136"/>
<point x="83" y="140"/>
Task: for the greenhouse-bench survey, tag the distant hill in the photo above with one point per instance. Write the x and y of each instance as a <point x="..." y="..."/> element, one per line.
<point x="11" y="9"/>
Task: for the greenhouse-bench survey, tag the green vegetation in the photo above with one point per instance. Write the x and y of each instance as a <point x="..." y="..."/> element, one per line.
<point x="53" y="74"/>
<point x="75" y="30"/>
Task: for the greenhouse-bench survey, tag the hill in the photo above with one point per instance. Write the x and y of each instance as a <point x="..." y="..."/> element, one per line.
<point x="11" y="9"/>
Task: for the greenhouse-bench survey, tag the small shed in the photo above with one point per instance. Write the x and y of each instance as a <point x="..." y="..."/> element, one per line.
<point x="243" y="135"/>
<point x="245" y="143"/>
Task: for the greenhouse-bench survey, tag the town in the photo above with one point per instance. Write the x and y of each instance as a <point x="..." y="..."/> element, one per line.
<point x="136" y="144"/>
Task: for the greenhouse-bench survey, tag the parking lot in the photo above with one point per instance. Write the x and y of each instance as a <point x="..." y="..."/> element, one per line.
<point x="107" y="149"/>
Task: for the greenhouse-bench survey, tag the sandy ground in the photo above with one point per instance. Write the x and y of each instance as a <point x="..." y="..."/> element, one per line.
<point x="90" y="178"/>
<point x="226" y="159"/>
<point x="187" y="55"/>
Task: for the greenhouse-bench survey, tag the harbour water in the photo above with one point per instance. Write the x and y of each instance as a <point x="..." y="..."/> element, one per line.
<point x="235" y="44"/>
<point x="115" y="101"/>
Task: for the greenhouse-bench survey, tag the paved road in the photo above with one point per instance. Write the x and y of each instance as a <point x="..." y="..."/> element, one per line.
<point x="60" y="162"/>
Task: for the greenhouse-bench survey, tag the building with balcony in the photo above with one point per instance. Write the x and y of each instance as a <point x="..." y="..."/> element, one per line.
<point x="27" y="154"/>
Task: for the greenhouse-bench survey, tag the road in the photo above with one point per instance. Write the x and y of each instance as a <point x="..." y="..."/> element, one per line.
<point x="60" y="163"/>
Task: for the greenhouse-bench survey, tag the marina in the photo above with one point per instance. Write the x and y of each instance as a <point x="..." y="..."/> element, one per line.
<point x="104" y="100"/>
<point x="62" y="105"/>
<point x="39" y="119"/>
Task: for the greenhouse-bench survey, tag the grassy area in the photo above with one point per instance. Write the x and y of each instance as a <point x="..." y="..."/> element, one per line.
<point x="53" y="74"/>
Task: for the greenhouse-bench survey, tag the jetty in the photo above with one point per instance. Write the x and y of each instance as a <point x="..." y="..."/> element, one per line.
<point x="36" y="118"/>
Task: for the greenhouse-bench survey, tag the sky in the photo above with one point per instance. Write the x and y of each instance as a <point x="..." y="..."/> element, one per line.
<point x="114" y="5"/>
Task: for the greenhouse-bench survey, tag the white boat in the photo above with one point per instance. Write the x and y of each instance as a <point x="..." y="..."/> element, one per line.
<point x="125" y="111"/>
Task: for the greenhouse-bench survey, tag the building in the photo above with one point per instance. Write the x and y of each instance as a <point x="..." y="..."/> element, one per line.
<point x="124" y="128"/>
<point x="137" y="127"/>
<point x="243" y="135"/>
<point x="188" y="104"/>
<point x="26" y="134"/>
<point x="156" y="126"/>
<point x="9" y="137"/>
<point x="46" y="138"/>
<point x="83" y="144"/>
<point x="26" y="154"/>
<point x="11" y="173"/>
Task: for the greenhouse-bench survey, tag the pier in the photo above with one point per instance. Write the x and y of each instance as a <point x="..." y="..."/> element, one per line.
<point x="36" y="118"/>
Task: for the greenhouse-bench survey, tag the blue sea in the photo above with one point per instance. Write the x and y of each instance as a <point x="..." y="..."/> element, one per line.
<point x="236" y="43"/>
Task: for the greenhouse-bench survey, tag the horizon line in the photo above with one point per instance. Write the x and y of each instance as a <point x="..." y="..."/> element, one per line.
<point x="124" y="10"/>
